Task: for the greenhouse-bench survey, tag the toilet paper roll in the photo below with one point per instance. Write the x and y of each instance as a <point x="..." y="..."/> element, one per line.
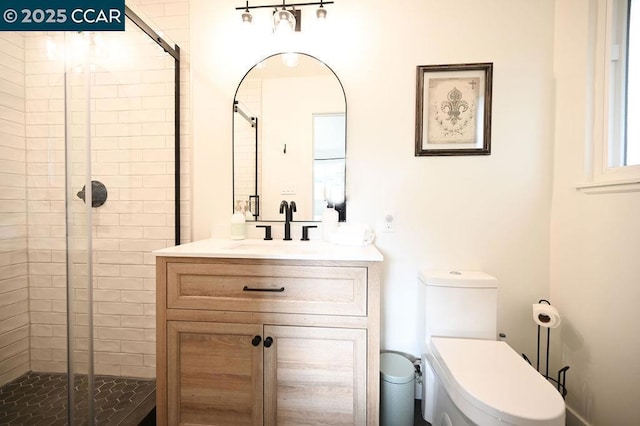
<point x="546" y="315"/>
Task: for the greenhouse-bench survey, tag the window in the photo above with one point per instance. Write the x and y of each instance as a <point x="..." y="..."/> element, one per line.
<point x="632" y="136"/>
<point x="624" y="146"/>
<point x="616" y="154"/>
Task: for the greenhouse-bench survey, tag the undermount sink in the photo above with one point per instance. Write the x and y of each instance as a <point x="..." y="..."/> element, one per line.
<point x="272" y="249"/>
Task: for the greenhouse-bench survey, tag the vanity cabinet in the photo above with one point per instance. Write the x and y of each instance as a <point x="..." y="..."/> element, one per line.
<point x="267" y="341"/>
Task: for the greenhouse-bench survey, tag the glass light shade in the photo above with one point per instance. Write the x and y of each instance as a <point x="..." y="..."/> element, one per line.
<point x="247" y="18"/>
<point x="321" y="13"/>
<point x="284" y="22"/>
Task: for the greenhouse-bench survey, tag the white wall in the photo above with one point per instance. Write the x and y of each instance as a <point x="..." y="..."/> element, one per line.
<point x="14" y="293"/>
<point x="595" y="241"/>
<point x="485" y="212"/>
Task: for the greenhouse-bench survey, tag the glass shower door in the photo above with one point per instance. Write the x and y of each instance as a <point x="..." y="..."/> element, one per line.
<point x="121" y="159"/>
<point x="79" y="52"/>
<point x="87" y="191"/>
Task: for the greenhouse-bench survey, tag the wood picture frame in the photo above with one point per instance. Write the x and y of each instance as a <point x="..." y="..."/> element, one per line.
<point x="453" y="109"/>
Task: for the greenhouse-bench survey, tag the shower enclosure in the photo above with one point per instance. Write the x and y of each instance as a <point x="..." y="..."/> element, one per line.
<point x="89" y="186"/>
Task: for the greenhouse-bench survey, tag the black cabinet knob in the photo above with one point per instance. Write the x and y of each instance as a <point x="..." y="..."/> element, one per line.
<point x="268" y="342"/>
<point x="256" y="340"/>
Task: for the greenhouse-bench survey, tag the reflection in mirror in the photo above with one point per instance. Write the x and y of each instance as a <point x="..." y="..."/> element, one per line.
<point x="329" y="161"/>
<point x="289" y="139"/>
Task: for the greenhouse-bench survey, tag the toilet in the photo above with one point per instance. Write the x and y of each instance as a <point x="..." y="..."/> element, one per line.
<point x="469" y="378"/>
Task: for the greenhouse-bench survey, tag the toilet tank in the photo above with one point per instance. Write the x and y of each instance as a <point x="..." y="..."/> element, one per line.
<point x="459" y="304"/>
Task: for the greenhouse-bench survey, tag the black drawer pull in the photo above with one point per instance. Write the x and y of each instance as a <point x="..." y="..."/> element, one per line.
<point x="272" y="290"/>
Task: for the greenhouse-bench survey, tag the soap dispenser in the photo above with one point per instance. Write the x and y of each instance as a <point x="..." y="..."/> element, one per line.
<point x="238" y="225"/>
<point x="329" y="222"/>
<point x="248" y="214"/>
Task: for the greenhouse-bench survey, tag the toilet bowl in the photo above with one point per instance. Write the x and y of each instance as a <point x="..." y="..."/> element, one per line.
<point x="469" y="377"/>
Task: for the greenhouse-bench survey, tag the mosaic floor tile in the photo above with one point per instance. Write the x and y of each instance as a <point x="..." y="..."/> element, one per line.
<point x="41" y="399"/>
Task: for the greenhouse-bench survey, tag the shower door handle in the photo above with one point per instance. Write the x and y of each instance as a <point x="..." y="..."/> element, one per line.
<point x="98" y="193"/>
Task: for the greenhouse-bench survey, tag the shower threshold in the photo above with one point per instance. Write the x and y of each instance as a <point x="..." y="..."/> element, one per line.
<point x="41" y="399"/>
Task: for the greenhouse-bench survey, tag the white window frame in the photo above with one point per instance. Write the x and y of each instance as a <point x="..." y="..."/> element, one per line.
<point x="608" y="173"/>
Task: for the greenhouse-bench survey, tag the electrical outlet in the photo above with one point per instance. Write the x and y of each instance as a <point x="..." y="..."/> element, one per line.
<point x="388" y="223"/>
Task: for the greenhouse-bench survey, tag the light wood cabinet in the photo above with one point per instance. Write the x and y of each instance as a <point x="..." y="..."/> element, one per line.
<point x="315" y="376"/>
<point x="267" y="342"/>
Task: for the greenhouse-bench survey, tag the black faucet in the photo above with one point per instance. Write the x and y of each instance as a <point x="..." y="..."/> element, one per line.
<point x="287" y="209"/>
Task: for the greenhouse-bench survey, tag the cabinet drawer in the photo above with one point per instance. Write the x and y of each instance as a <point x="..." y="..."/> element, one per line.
<point x="267" y="288"/>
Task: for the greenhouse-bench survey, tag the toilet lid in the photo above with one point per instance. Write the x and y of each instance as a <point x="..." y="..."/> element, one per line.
<point x="494" y="378"/>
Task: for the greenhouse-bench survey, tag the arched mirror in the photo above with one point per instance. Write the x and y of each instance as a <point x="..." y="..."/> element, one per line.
<point x="289" y="139"/>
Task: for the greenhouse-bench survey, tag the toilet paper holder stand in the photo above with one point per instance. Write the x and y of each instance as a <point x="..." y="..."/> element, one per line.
<point x="561" y="380"/>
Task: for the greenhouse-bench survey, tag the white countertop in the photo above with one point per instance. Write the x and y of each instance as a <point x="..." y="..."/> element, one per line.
<point x="274" y="249"/>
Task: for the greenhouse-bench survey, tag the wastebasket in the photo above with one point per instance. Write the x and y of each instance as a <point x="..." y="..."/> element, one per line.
<point x="397" y="390"/>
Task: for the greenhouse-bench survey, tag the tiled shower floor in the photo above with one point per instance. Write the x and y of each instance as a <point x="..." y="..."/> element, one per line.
<point x="41" y="399"/>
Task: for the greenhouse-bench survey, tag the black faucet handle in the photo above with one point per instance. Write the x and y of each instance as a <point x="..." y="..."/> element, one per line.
<point x="305" y="232"/>
<point x="267" y="231"/>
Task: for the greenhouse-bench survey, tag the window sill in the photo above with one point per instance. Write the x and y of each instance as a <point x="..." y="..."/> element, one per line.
<point x="610" y="187"/>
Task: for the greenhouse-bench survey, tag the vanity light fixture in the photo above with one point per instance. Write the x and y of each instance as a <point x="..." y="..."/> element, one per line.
<point x="321" y="13"/>
<point x="246" y="16"/>
<point x="286" y="17"/>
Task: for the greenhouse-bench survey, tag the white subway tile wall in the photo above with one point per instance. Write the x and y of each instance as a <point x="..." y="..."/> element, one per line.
<point x="14" y="292"/>
<point x="130" y="105"/>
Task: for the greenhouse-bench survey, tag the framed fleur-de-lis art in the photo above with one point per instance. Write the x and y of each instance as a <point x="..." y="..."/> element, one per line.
<point x="453" y="109"/>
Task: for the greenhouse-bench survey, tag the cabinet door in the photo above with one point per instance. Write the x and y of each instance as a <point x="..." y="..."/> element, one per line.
<point x="315" y="376"/>
<point x="215" y="374"/>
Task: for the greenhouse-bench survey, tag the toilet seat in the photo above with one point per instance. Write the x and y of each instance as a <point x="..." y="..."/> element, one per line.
<point x="488" y="381"/>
